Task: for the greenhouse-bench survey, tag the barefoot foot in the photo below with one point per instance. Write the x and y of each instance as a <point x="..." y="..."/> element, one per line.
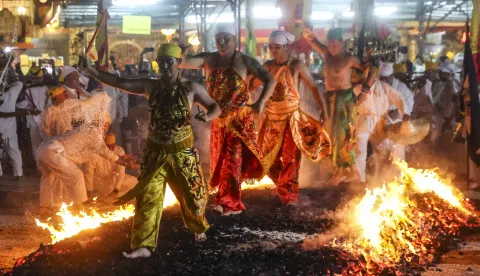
<point x="218" y="208"/>
<point x="228" y="213"/>
<point x="200" y="237"/>
<point x="141" y="252"/>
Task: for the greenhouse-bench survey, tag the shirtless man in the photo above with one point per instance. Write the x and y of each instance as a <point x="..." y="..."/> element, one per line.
<point x="234" y="154"/>
<point x="341" y="102"/>
<point x="170" y="155"/>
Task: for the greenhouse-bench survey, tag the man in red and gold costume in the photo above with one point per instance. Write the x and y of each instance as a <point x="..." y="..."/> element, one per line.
<point x="285" y="131"/>
<point x="234" y="154"/>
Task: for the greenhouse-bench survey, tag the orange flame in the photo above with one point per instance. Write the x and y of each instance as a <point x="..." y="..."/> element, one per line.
<point x="73" y="224"/>
<point x="398" y="221"/>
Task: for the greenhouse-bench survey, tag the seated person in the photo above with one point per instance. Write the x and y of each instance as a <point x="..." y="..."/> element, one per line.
<point x="107" y="178"/>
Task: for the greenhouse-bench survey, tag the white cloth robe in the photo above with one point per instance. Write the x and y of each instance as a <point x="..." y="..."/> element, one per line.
<point x="103" y="176"/>
<point x="61" y="160"/>
<point x="36" y="98"/>
<point x="372" y="118"/>
<point x="8" y="129"/>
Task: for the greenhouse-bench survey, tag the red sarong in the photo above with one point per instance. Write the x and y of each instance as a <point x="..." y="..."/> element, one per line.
<point x="234" y="154"/>
<point x="284" y="170"/>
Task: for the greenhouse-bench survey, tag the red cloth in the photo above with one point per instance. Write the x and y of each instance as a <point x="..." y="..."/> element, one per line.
<point x="234" y="152"/>
<point x="284" y="171"/>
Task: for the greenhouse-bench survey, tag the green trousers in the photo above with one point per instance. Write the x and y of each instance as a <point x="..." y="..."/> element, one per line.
<point x="342" y="111"/>
<point x="183" y="173"/>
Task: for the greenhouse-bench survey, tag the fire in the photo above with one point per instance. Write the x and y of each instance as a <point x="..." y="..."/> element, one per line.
<point x="266" y="182"/>
<point x="71" y="224"/>
<point x="405" y="218"/>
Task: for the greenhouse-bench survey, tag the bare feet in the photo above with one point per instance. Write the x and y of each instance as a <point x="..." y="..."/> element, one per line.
<point x="141" y="252"/>
<point x="218" y="208"/>
<point x="292" y="203"/>
<point x="200" y="237"/>
<point x="336" y="180"/>
<point x="228" y="213"/>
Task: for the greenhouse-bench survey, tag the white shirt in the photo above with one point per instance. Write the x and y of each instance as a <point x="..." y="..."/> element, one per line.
<point x="406" y="93"/>
<point x="8" y="126"/>
<point x="373" y="112"/>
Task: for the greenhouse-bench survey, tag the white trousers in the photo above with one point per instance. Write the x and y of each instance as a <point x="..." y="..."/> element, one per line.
<point x="10" y="146"/>
<point x="105" y="185"/>
<point x="384" y="151"/>
<point x="35" y="138"/>
<point x="62" y="180"/>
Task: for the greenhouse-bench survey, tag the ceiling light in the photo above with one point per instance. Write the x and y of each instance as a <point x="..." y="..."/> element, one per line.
<point x="348" y="14"/>
<point x="134" y="3"/>
<point x="385" y="11"/>
<point x="21" y="10"/>
<point x="267" y="12"/>
<point x="322" y="15"/>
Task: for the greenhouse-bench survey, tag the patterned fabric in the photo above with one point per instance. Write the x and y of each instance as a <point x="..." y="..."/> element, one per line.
<point x="284" y="170"/>
<point x="169" y="157"/>
<point x="282" y="109"/>
<point x="169" y="127"/>
<point x="341" y="106"/>
<point x="182" y="171"/>
<point x="228" y="88"/>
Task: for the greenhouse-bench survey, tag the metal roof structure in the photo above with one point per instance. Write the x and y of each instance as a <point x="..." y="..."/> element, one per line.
<point x="326" y="13"/>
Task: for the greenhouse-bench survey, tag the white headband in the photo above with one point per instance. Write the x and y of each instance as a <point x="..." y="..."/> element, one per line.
<point x="281" y="37"/>
<point x="447" y="67"/>
<point x="229" y="28"/>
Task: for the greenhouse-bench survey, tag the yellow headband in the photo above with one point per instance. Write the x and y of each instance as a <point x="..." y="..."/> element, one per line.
<point x="55" y="92"/>
<point x="430" y="65"/>
<point x="400" y="68"/>
<point x="170" y="50"/>
<point x="110" y="139"/>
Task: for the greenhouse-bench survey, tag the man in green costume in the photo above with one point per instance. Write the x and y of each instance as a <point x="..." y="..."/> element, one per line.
<point x="341" y="102"/>
<point x="170" y="155"/>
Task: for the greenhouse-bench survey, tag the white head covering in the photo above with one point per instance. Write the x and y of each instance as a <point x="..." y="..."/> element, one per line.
<point x="386" y="69"/>
<point x="67" y="70"/>
<point x="281" y="37"/>
<point x="447" y="67"/>
<point x="229" y="28"/>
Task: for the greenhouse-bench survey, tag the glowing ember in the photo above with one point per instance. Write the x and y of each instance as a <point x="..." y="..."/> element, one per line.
<point x="266" y="182"/>
<point x="406" y="218"/>
<point x="71" y="225"/>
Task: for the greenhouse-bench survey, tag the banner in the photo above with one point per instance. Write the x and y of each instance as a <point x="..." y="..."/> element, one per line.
<point x="137" y="24"/>
<point x="250" y="39"/>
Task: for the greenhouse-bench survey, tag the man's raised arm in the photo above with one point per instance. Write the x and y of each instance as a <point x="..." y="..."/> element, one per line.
<point x="258" y="71"/>
<point x="141" y="87"/>
<point x="314" y="43"/>
<point x="195" y="62"/>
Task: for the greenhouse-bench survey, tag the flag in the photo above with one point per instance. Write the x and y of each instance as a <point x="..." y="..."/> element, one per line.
<point x="475" y="36"/>
<point x="250" y="40"/>
<point x="101" y="42"/>
<point x="294" y="14"/>
<point x="471" y="101"/>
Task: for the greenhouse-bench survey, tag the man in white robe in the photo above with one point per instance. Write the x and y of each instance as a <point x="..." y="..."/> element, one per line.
<point x="372" y="120"/>
<point x="8" y="128"/>
<point x="107" y="178"/>
<point x="61" y="160"/>
<point x="72" y="83"/>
